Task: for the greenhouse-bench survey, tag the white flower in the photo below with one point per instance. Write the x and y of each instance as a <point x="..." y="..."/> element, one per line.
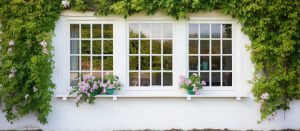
<point x="195" y="74"/>
<point x="11" y="76"/>
<point x="35" y="89"/>
<point x="65" y="3"/>
<point x="44" y="44"/>
<point x="26" y="96"/>
<point x="11" y="43"/>
<point x="264" y="96"/>
<point x="9" y="50"/>
<point x="203" y="83"/>
<point x="46" y="51"/>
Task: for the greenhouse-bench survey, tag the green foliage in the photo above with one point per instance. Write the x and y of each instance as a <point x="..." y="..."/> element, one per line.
<point x="272" y="26"/>
<point x="25" y="72"/>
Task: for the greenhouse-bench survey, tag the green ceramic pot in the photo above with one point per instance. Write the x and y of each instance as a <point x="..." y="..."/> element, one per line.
<point x="190" y="92"/>
<point x="110" y="91"/>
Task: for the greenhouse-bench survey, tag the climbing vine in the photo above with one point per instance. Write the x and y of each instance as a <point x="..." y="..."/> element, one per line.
<point x="27" y="28"/>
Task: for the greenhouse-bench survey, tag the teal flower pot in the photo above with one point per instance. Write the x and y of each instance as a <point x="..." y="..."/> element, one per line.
<point x="110" y="91"/>
<point x="190" y="92"/>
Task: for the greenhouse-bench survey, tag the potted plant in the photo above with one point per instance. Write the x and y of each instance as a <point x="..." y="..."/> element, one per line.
<point x="110" y="84"/>
<point x="191" y="84"/>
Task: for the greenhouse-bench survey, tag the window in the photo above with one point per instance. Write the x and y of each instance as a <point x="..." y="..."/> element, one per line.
<point x="150" y="54"/>
<point x="210" y="52"/>
<point x="91" y="50"/>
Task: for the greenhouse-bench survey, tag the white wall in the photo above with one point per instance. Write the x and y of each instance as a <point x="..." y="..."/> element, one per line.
<point x="156" y="113"/>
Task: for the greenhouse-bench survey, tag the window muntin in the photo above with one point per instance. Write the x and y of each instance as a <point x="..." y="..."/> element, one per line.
<point x="150" y="54"/>
<point x="91" y="50"/>
<point x="210" y="53"/>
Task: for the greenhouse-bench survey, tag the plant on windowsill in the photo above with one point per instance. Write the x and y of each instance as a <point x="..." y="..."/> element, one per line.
<point x="192" y="84"/>
<point x="90" y="86"/>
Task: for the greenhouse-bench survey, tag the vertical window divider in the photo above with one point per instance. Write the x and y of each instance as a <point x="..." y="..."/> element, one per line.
<point x="91" y="50"/>
<point x="221" y="55"/>
<point x="150" y="53"/>
<point x="199" y="53"/>
<point x="210" y="58"/>
<point x="139" y="55"/>
<point x="80" y="49"/>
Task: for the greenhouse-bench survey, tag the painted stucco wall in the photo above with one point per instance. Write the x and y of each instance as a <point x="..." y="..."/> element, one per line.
<point x="156" y="113"/>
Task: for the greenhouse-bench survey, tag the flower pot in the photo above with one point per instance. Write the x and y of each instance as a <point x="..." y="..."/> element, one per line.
<point x="110" y="91"/>
<point x="190" y="92"/>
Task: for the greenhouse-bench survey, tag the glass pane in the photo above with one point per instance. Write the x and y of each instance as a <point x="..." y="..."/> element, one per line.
<point x="97" y="47"/>
<point x="167" y="62"/>
<point x="215" y="79"/>
<point x="156" y="78"/>
<point x="107" y="63"/>
<point x="205" y="77"/>
<point x="108" y="31"/>
<point x="227" y="62"/>
<point x="107" y="47"/>
<point x="156" y="63"/>
<point x="133" y="46"/>
<point x="74" y="63"/>
<point x="85" y="31"/>
<point x="85" y="63"/>
<point x="133" y="62"/>
<point x="145" y="62"/>
<point x="96" y="31"/>
<point x="145" y="30"/>
<point x="167" y="46"/>
<point x="167" y="78"/>
<point x="215" y="30"/>
<point x="145" y="46"/>
<point x="74" y="47"/>
<point x="74" y="78"/>
<point x="133" y="30"/>
<point x="96" y="62"/>
<point x="193" y="30"/>
<point x="74" y="31"/>
<point x="133" y="79"/>
<point x="204" y="60"/>
<point x="227" y="47"/>
<point x="156" y="30"/>
<point x="86" y="73"/>
<point x="227" y="79"/>
<point x="156" y="47"/>
<point x="226" y="30"/>
<point x="97" y="75"/>
<point x="85" y="47"/>
<point x="167" y="30"/>
<point x="204" y="46"/>
<point x="215" y="63"/>
<point x="145" y="79"/>
<point x="204" y="31"/>
<point x="215" y="47"/>
<point x="193" y="63"/>
<point x="193" y="46"/>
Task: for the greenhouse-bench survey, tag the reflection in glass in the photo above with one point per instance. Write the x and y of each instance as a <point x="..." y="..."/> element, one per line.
<point x="193" y="46"/>
<point x="74" y="47"/>
<point x="215" y="79"/>
<point x="167" y="62"/>
<point x="227" y="47"/>
<point x="133" y="30"/>
<point x="167" y="78"/>
<point x="108" y="31"/>
<point x="215" y="62"/>
<point x="85" y="31"/>
<point x="193" y="63"/>
<point x="167" y="46"/>
<point x="145" y="46"/>
<point x="133" y="79"/>
<point x="145" y="30"/>
<point x="96" y="31"/>
<point x="96" y="62"/>
<point x="107" y="47"/>
<point x="74" y="63"/>
<point x="205" y="77"/>
<point x="73" y="78"/>
<point x="156" y="63"/>
<point x="133" y="46"/>
<point x="215" y="47"/>
<point x="227" y="62"/>
<point x="204" y="61"/>
<point x="97" y="74"/>
<point x="133" y="62"/>
<point x="107" y="63"/>
<point x="227" y="79"/>
<point x="145" y="79"/>
<point x="204" y="31"/>
<point x="156" y="47"/>
<point x="193" y="30"/>
<point x="226" y="30"/>
<point x="156" y="78"/>
<point x="96" y="47"/>
<point x="74" y="31"/>
<point x="156" y="30"/>
<point x="85" y="63"/>
<point x="204" y="46"/>
<point x="215" y="30"/>
<point x="167" y="31"/>
<point x="145" y="62"/>
<point x="85" y="47"/>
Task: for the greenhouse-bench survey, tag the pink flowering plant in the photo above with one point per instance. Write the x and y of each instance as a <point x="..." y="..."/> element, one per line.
<point x="191" y="84"/>
<point x="89" y="86"/>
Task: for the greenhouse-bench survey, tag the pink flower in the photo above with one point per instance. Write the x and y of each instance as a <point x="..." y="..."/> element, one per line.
<point x="203" y="83"/>
<point x="44" y="44"/>
<point x="95" y="86"/>
<point x="111" y="86"/>
<point x="77" y="99"/>
<point x="9" y="50"/>
<point x="181" y="79"/>
<point x="197" y="93"/>
<point x="264" y="96"/>
<point x="11" y="43"/>
<point x="188" y="82"/>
